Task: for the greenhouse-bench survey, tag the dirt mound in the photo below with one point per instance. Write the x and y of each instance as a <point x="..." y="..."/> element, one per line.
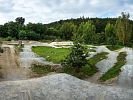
<point x="60" y="87"/>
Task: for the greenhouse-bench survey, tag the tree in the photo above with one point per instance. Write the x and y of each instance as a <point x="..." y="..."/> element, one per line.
<point x="23" y="35"/>
<point x="20" y="20"/>
<point x="28" y="35"/>
<point x="110" y="34"/>
<point x="123" y="28"/>
<point x="77" y="57"/>
<point x="37" y="28"/>
<point x="76" y="62"/>
<point x="89" y="32"/>
<point x="86" y="32"/>
<point x="78" y="37"/>
<point x="100" y="38"/>
<point x="52" y="32"/>
<point x="3" y="30"/>
<point x="33" y="36"/>
<point x="13" y="29"/>
<point x="67" y="30"/>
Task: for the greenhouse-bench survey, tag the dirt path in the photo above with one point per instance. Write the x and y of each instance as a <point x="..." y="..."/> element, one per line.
<point x="94" y="78"/>
<point x="9" y="63"/>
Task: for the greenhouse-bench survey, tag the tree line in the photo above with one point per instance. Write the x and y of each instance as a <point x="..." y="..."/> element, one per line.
<point x="110" y="31"/>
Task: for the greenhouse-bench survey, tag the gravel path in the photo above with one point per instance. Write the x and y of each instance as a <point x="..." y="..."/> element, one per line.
<point x="105" y="64"/>
<point x="125" y="78"/>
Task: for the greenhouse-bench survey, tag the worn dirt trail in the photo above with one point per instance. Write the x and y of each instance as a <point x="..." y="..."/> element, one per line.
<point x="9" y="63"/>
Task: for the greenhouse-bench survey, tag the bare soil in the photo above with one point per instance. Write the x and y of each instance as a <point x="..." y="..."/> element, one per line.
<point x="9" y="63"/>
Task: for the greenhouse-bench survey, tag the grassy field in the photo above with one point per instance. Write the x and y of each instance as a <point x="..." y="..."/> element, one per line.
<point x="116" y="47"/>
<point x="114" y="71"/>
<point x="56" y="55"/>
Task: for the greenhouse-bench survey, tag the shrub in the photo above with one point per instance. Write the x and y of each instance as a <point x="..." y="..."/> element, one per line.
<point x="1" y="50"/>
<point x="77" y="57"/>
<point x="76" y="63"/>
<point x="9" y="38"/>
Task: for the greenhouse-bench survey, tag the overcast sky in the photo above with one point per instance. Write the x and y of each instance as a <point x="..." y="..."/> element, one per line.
<point x="46" y="11"/>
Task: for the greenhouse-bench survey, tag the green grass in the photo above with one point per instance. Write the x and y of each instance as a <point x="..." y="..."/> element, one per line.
<point x="96" y="58"/>
<point x="87" y="70"/>
<point x="56" y="55"/>
<point x="82" y="73"/>
<point x="59" y="54"/>
<point x="114" y="71"/>
<point x="41" y="69"/>
<point x="115" y="47"/>
<point x="92" y="50"/>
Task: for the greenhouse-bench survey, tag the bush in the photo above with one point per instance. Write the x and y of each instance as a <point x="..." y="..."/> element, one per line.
<point x="88" y="70"/>
<point x="129" y="44"/>
<point x="77" y="57"/>
<point x="46" y="37"/>
<point x="76" y="63"/>
<point x="115" y="47"/>
<point x="28" y="35"/>
<point x="42" y="69"/>
<point x="1" y="50"/>
<point x="9" y="38"/>
<point x="83" y="72"/>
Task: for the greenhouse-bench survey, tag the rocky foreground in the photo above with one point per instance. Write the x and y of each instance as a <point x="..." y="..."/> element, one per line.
<point x="61" y="87"/>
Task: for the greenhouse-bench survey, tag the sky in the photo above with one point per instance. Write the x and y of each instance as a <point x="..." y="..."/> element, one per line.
<point x="46" y="11"/>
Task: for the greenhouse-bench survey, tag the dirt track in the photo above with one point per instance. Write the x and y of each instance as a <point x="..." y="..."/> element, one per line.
<point x="9" y="63"/>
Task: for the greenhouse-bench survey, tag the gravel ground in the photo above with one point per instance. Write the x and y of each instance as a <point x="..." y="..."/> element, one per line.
<point x="61" y="87"/>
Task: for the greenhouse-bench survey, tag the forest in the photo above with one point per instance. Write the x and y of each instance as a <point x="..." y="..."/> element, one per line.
<point x="96" y="31"/>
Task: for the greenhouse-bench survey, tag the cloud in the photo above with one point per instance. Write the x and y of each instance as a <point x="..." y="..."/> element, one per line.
<point x="5" y="6"/>
<point x="46" y="11"/>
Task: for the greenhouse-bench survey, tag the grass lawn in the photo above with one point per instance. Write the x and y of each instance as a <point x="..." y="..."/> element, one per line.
<point x="114" y="71"/>
<point x="56" y="55"/>
<point x="112" y="48"/>
<point x="96" y="58"/>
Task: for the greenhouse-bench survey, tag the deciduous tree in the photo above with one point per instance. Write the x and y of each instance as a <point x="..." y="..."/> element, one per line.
<point x="124" y="28"/>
